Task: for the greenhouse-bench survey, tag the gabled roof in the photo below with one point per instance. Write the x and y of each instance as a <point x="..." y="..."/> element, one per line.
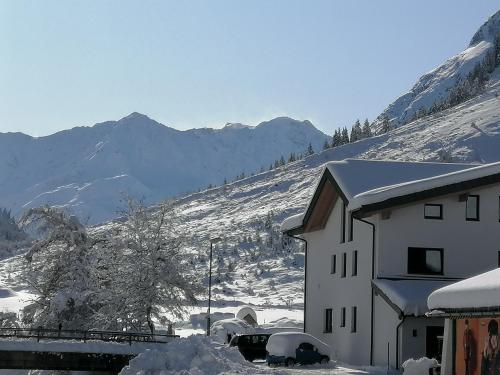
<point x="478" y="293"/>
<point x="368" y="186"/>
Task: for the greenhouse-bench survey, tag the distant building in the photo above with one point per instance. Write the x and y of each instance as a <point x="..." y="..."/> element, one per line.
<point x="381" y="236"/>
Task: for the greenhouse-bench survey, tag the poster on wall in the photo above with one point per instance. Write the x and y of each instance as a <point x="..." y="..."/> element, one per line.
<point x="477" y="349"/>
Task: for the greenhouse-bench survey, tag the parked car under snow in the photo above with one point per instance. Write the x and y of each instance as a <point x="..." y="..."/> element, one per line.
<point x="290" y="348"/>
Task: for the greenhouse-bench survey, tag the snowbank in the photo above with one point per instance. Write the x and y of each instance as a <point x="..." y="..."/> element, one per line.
<point x="418" y="367"/>
<point x="196" y="355"/>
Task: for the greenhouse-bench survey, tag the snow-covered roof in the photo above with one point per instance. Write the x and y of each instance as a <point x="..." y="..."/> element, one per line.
<point x="360" y="180"/>
<point x="475" y="293"/>
<point x="356" y="177"/>
<point x="470" y="172"/>
<point x="292" y="222"/>
<point x="409" y="296"/>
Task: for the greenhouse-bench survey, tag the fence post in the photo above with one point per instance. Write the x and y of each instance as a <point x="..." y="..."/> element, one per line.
<point x="130" y="339"/>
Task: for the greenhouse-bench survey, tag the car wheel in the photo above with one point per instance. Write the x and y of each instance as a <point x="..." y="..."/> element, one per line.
<point x="290" y="362"/>
<point x="324" y="360"/>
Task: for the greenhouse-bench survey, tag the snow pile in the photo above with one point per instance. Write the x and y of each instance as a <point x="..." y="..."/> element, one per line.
<point x="224" y="327"/>
<point x="418" y="367"/>
<point x="195" y="355"/>
<point x="285" y="344"/>
<point x="245" y="311"/>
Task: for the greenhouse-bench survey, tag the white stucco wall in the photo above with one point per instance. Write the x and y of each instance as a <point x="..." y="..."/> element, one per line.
<point x="470" y="247"/>
<point x="386" y="321"/>
<point x="326" y="290"/>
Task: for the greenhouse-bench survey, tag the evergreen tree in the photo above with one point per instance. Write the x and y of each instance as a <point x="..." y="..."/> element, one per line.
<point x="367" y="130"/>
<point x="344" y="139"/>
<point x="386" y="125"/>
<point x="336" y="138"/>
<point x="310" y="150"/>
<point x="356" y="132"/>
<point x="282" y="161"/>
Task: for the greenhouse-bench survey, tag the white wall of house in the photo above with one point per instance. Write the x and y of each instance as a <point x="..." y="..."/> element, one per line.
<point x="327" y="290"/>
<point x="385" y="323"/>
<point x="470" y="247"/>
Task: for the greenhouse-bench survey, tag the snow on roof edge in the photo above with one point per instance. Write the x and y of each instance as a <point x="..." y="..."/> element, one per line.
<point x="387" y="192"/>
<point x="480" y="291"/>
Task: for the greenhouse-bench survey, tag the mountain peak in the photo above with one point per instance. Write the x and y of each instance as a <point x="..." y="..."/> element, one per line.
<point x="488" y="31"/>
<point x="135" y="116"/>
<point x="236" y="125"/>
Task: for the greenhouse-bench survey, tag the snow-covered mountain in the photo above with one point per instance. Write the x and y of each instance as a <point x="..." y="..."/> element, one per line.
<point x="435" y="87"/>
<point x="86" y="168"/>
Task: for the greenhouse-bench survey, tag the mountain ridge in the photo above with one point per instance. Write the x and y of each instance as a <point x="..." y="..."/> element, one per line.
<point x="83" y="167"/>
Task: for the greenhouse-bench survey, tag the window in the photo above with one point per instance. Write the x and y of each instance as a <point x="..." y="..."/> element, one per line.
<point x="354" y="312"/>
<point x="425" y="261"/>
<point x="328" y="321"/>
<point x="342" y="235"/>
<point x="355" y="263"/>
<point x="344" y="265"/>
<point x="472" y="208"/>
<point x="351" y="227"/>
<point x="333" y="267"/>
<point x="306" y="346"/>
<point x="342" y="317"/>
<point x="433" y="211"/>
<point x="499" y="259"/>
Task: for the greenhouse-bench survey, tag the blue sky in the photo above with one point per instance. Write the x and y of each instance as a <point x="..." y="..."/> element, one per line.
<point x="204" y="63"/>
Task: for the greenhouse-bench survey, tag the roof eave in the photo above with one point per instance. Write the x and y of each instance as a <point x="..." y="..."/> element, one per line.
<point x="369" y="209"/>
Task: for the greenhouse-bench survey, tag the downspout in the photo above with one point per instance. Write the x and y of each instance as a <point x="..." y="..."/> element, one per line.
<point x="402" y="317"/>
<point x="305" y="274"/>
<point x="372" y="323"/>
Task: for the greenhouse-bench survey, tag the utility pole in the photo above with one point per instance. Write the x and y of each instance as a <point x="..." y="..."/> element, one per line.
<point x="212" y="241"/>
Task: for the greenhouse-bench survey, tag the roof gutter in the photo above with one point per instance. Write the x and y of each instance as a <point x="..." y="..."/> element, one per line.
<point x="305" y="272"/>
<point x="372" y="315"/>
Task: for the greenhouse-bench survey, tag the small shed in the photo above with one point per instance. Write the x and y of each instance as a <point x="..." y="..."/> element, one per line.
<point x="248" y="314"/>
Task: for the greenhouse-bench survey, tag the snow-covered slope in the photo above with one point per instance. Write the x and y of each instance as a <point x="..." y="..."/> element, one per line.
<point x="86" y="168"/>
<point x="434" y="87"/>
<point x="251" y="265"/>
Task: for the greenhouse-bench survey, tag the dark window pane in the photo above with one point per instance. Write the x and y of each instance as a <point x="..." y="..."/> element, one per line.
<point x="354" y="263"/>
<point x="334" y="264"/>
<point x="472" y="208"/>
<point x="344" y="265"/>
<point x="425" y="261"/>
<point x="342" y="317"/>
<point x="433" y="211"/>
<point x="354" y="317"/>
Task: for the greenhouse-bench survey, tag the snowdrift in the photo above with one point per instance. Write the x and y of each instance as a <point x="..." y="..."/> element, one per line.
<point x="195" y="355"/>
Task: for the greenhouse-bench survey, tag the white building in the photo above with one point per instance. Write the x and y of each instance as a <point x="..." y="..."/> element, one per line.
<point x="381" y="236"/>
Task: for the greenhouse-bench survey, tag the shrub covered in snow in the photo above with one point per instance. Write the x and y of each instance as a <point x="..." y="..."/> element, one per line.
<point x="419" y="366"/>
<point x="195" y="355"/>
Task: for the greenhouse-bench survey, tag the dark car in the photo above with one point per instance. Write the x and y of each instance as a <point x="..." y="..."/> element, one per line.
<point x="252" y="346"/>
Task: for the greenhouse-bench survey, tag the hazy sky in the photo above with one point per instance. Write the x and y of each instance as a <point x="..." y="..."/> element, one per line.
<point x="204" y="63"/>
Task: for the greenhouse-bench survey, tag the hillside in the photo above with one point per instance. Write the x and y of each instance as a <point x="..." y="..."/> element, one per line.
<point x="459" y="75"/>
<point x="86" y="168"/>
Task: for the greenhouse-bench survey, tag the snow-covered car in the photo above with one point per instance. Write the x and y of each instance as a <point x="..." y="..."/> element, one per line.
<point x="290" y="348"/>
